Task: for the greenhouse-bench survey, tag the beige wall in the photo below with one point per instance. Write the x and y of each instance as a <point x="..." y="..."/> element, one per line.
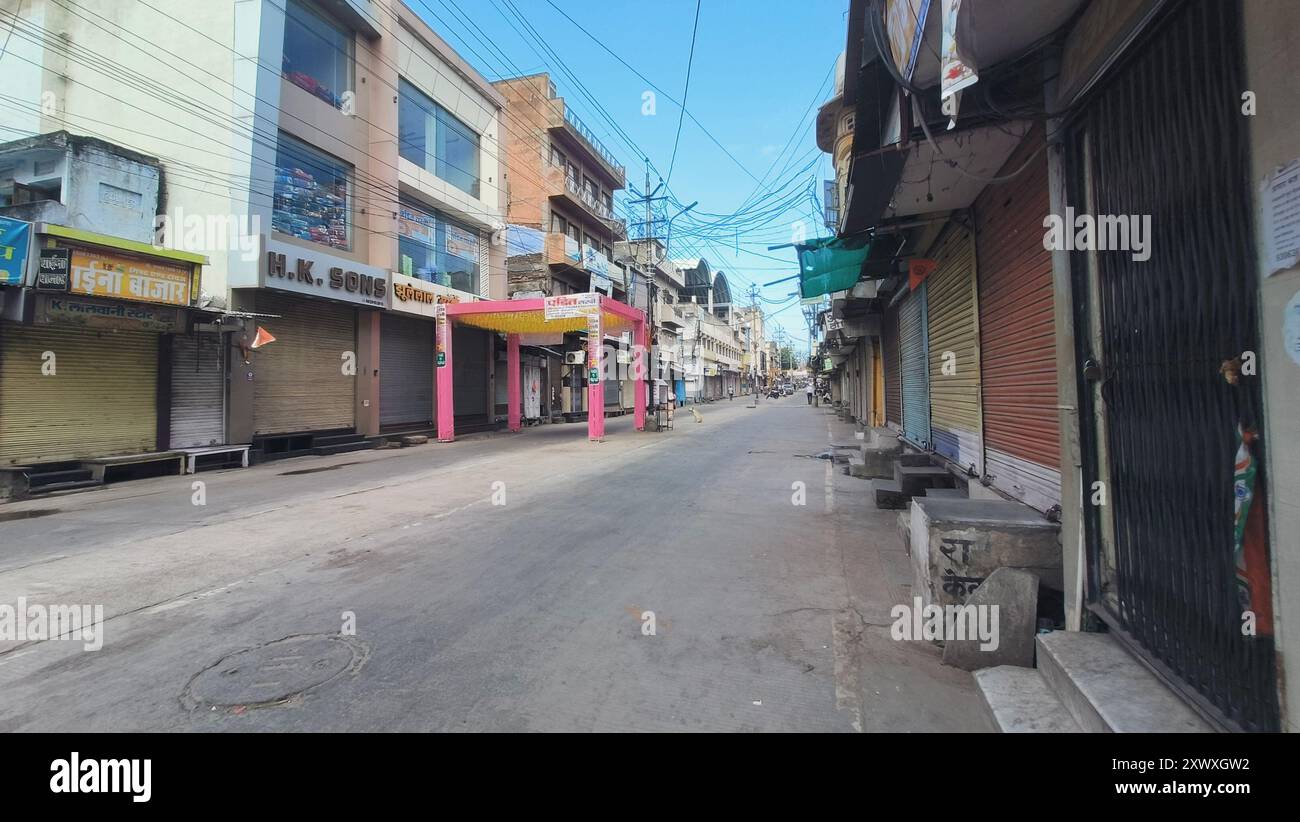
<point x="1272" y="64"/>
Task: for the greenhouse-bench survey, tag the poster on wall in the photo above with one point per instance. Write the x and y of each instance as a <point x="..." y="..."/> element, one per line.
<point x="440" y="334"/>
<point x="15" y="237"/>
<point x="1280" y="199"/>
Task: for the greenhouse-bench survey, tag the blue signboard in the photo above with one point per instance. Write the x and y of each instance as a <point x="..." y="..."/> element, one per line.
<point x="15" y="236"/>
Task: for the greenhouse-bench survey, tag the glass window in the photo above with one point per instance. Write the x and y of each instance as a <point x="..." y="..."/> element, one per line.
<point x="437" y="249"/>
<point x="436" y="141"/>
<point x="558" y="158"/>
<point x="557" y="224"/>
<point x="311" y="195"/>
<point x="317" y="54"/>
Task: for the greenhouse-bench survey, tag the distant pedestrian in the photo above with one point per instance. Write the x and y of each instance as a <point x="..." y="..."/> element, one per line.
<point x="731" y="393"/>
<point x="808" y="389"/>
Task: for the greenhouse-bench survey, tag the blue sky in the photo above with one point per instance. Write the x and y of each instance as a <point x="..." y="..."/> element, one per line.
<point x="760" y="69"/>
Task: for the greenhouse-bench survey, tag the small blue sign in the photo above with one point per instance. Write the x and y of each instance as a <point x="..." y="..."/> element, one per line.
<point x="15" y="237"/>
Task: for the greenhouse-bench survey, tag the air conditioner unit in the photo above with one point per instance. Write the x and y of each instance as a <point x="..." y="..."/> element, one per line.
<point x="575" y="357"/>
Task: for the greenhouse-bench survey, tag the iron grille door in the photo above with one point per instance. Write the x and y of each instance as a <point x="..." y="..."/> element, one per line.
<point x="1164" y="137"/>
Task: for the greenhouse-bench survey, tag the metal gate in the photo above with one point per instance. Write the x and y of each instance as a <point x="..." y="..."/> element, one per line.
<point x="1018" y="331"/>
<point x="1159" y="342"/>
<point x="914" y="370"/>
<point x="198" y="390"/>
<point x="301" y="383"/>
<point x="405" y="371"/>
<point x="889" y="356"/>
<point x="100" y="399"/>
<point x="954" y="356"/>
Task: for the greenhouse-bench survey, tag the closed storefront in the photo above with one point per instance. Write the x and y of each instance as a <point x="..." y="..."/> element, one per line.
<point x="1017" y="331"/>
<point x="954" y="351"/>
<point x="406" y="365"/>
<point x="302" y="382"/>
<point x="79" y="376"/>
<point x="532" y="390"/>
<point x="198" y="390"/>
<point x="890" y="364"/>
<point x="914" y="367"/>
<point x="472" y="347"/>
<point x="1171" y="421"/>
<point x="70" y="393"/>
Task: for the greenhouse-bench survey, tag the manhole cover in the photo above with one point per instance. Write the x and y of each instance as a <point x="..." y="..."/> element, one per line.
<point x="274" y="672"/>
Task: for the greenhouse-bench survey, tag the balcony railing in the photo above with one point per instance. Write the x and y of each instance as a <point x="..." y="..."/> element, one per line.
<point x="606" y="154"/>
<point x="594" y="203"/>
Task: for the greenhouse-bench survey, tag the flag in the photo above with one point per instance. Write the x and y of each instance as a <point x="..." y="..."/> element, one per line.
<point x="261" y="338"/>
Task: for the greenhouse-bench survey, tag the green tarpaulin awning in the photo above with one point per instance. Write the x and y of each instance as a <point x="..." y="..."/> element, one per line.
<point x="828" y="264"/>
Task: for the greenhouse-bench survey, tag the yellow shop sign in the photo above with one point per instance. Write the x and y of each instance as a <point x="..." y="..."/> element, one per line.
<point x="119" y="276"/>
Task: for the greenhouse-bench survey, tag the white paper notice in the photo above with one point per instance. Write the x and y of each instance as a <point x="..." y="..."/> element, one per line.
<point x="1291" y="328"/>
<point x="1281" y="218"/>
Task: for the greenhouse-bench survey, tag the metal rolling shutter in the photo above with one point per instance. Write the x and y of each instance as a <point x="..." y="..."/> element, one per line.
<point x="914" y="368"/>
<point x="954" y="341"/>
<point x="1018" y="332"/>
<point x="100" y="401"/>
<point x="300" y="381"/>
<point x="198" y="408"/>
<point x="405" y="370"/>
<point x="469" y="349"/>
<point x="893" y="387"/>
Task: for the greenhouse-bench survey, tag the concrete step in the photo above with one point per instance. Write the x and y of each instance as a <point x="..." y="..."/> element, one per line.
<point x="888" y="494"/>
<point x="945" y="493"/>
<point x="1106" y="689"/>
<point x="343" y="448"/>
<point x="36" y="480"/>
<point x="916" y="479"/>
<point x="858" y="466"/>
<point x="912" y="459"/>
<point x="1019" y="700"/>
<point x="66" y="485"/>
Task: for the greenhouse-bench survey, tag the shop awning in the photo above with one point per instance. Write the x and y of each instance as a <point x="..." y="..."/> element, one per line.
<point x="829" y="264"/>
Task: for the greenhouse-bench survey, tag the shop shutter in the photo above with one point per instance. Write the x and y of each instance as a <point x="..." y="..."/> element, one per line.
<point x="893" y="387"/>
<point x="1017" y="331"/>
<point x="469" y="349"/>
<point x="198" y="390"/>
<point x="914" y="368"/>
<point x="300" y="383"/>
<point x="954" y="351"/>
<point x="100" y="401"/>
<point x="406" y="363"/>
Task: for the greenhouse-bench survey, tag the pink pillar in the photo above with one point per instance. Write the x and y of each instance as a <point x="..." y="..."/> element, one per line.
<point x="595" y="390"/>
<point x="446" y="402"/>
<point x="512" y="365"/>
<point x="640" y="366"/>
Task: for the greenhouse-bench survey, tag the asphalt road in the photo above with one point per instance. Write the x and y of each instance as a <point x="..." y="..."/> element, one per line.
<point x="501" y="583"/>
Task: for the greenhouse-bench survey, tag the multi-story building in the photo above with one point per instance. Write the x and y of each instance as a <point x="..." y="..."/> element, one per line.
<point x="108" y="359"/>
<point x="339" y="166"/>
<point x="562" y="184"/>
<point x="561" y="212"/>
<point x="664" y="312"/>
<point x="713" y="350"/>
